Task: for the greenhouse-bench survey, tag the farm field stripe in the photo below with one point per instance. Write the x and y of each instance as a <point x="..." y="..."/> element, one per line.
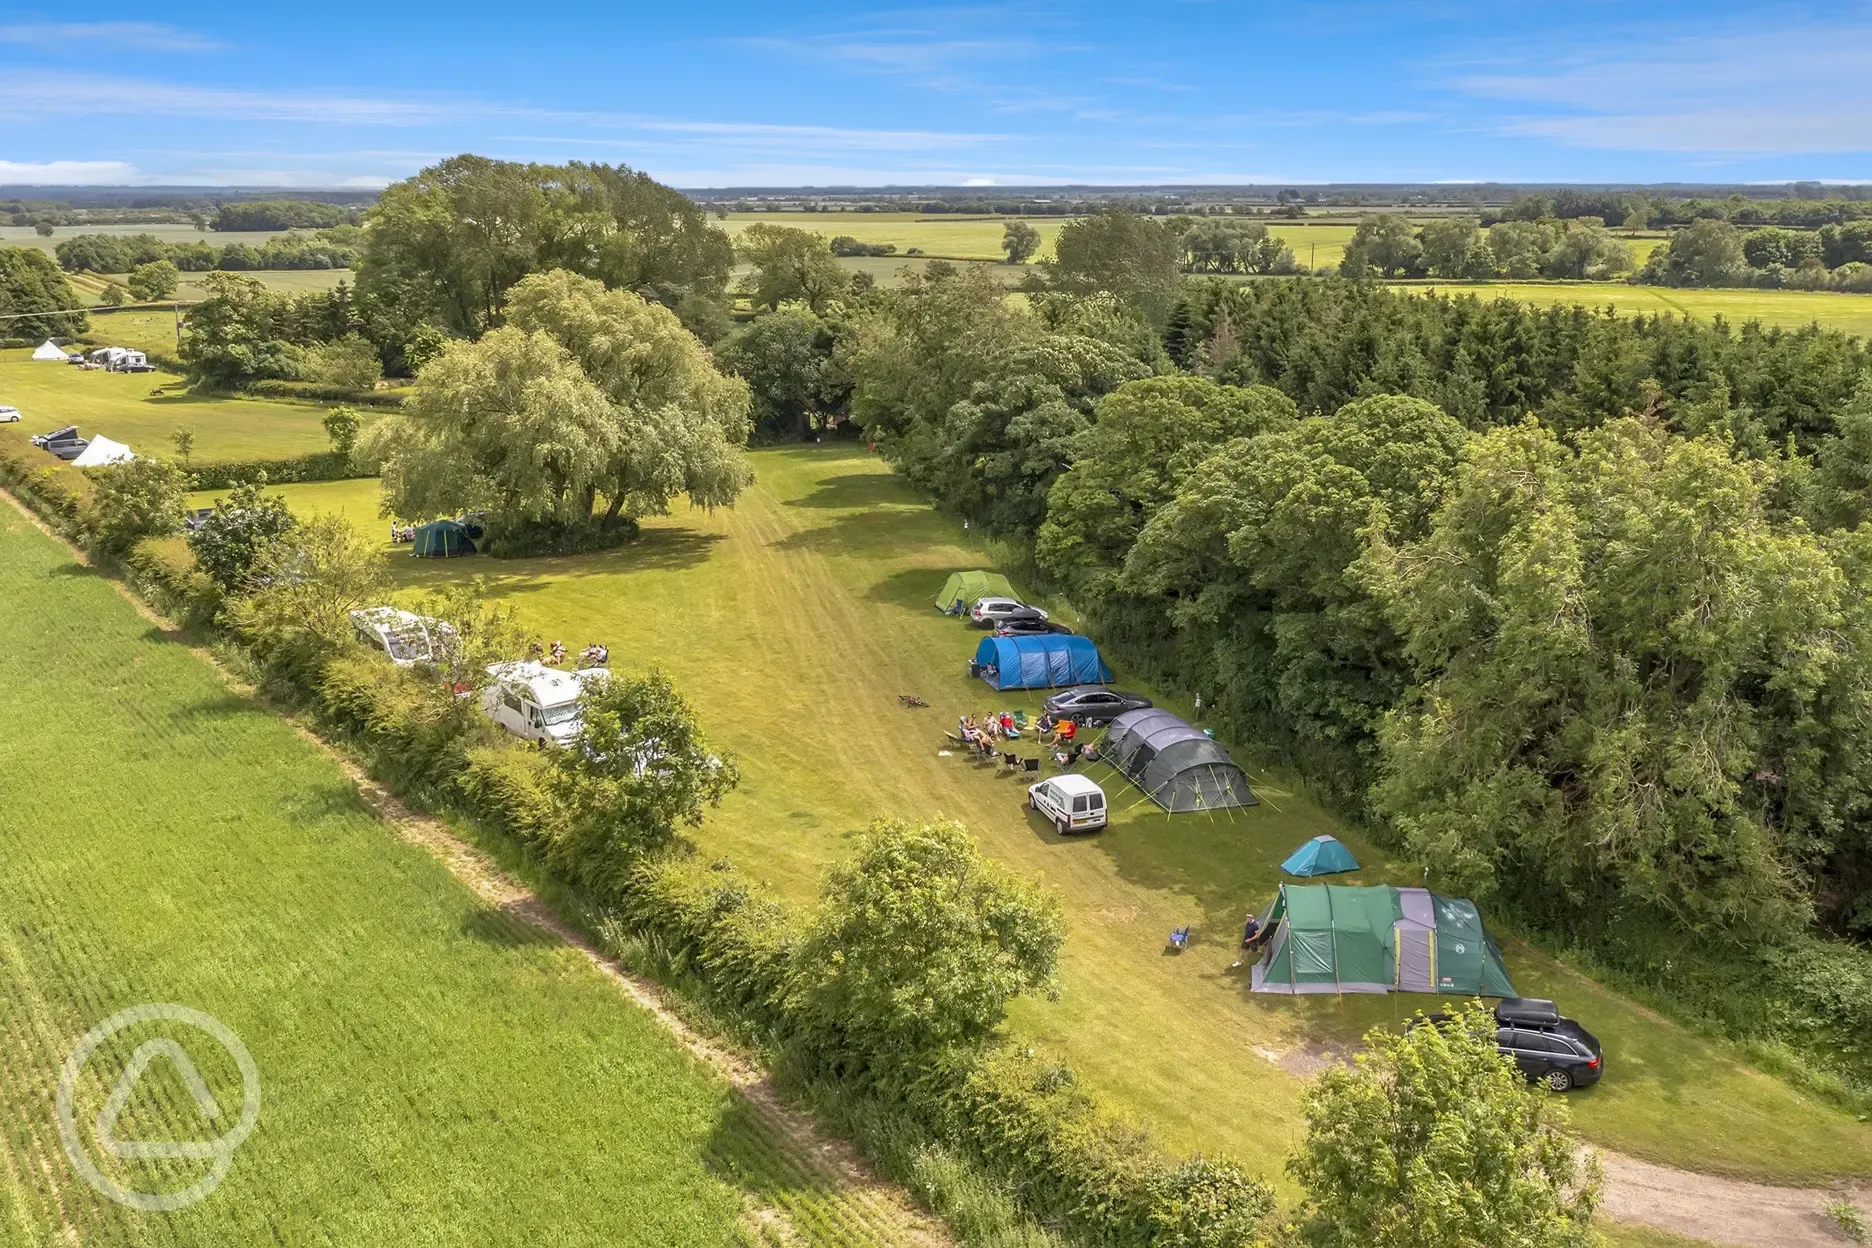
<point x="855" y="1207"/>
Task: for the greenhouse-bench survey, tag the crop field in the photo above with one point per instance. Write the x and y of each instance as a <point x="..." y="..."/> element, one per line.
<point x="193" y="287"/>
<point x="979" y="238"/>
<point x="26" y="236"/>
<point x="795" y="619"/>
<point x="431" y="1071"/>
<point x="1790" y="309"/>
<point x="146" y="330"/>
<point x="122" y="406"/>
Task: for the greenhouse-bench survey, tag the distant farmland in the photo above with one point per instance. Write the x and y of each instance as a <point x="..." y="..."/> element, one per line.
<point x="1788" y="308"/>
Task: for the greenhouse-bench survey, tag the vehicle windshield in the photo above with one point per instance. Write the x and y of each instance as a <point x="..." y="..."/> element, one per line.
<point x="564" y="713"/>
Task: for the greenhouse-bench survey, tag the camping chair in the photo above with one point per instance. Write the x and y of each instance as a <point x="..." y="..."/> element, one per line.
<point x="1030" y="764"/>
<point x="1020" y="719"/>
<point x="1010" y="760"/>
<point x="1179" y="938"/>
<point x="955" y="739"/>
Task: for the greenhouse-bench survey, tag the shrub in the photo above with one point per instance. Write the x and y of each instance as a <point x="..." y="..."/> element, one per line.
<point x="233" y="537"/>
<point x="156" y="280"/>
<point x="1434" y="1138"/>
<point x="347" y="363"/>
<point x="139" y="498"/>
<point x="919" y="943"/>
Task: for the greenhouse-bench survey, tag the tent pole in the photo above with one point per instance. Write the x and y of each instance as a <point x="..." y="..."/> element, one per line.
<point x="1332" y="928"/>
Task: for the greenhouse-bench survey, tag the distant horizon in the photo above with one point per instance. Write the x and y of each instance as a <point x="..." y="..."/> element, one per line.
<point x="13" y="189"/>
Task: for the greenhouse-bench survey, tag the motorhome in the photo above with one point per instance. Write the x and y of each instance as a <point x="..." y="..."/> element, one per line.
<point x="540" y="703"/>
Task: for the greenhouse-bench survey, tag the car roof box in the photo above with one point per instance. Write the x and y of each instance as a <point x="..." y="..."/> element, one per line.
<point x="1527" y="1010"/>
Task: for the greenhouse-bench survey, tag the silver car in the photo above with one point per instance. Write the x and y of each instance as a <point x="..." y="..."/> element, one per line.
<point x="989" y="612"/>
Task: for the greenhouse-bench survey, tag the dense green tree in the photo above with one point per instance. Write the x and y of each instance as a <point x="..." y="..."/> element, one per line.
<point x="1634" y="681"/>
<point x="1147" y="437"/>
<point x="786" y="358"/>
<point x="919" y="943"/>
<point x="639" y="773"/>
<point x="155" y="280"/>
<point x="1842" y="493"/>
<point x="303" y="586"/>
<point x="1223" y="245"/>
<point x="1450" y="245"/>
<point x="791" y="265"/>
<point x="342" y="425"/>
<point x="239" y="332"/>
<point x="1252" y="569"/>
<point x="1383" y="245"/>
<point x="1706" y="253"/>
<point x="584" y="392"/>
<point x="1521" y="248"/>
<point x="1132" y="257"/>
<point x="1019" y="242"/>
<point x="1587" y="252"/>
<point x="973" y="398"/>
<point x="460" y="234"/>
<point x="36" y="296"/>
<point x="348" y="363"/>
<point x="1432" y="1140"/>
<point x="234" y="537"/>
<point x="139" y="498"/>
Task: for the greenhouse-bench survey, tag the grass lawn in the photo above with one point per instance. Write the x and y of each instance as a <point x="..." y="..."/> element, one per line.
<point x="193" y="288"/>
<point x="121" y="406"/>
<point x="432" y="1072"/>
<point x="1789" y="308"/>
<point x="151" y="330"/>
<point x="795" y="619"/>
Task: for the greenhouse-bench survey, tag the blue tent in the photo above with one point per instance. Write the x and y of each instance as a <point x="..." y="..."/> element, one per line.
<point x="1323" y="855"/>
<point x="1040" y="662"/>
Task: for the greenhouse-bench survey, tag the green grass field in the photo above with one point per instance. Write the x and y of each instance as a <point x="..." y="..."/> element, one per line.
<point x="27" y="236"/>
<point x="1789" y="308"/>
<point x="120" y="406"/>
<point x="193" y="287"/>
<point x="432" y="1071"/>
<point x="795" y="619"/>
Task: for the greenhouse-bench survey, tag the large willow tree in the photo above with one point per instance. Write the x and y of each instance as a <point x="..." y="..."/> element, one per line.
<point x="586" y="394"/>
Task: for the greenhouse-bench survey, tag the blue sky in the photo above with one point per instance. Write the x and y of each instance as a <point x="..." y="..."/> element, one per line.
<point x="737" y="94"/>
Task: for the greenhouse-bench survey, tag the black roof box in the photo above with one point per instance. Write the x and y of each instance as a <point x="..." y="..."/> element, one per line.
<point x="1531" y="1010"/>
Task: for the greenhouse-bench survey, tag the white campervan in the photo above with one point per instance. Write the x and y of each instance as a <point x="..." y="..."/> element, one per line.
<point x="538" y="702"/>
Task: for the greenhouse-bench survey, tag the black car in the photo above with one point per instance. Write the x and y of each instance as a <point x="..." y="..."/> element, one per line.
<point x="1549" y="1049"/>
<point x="1093" y="705"/>
<point x="1027" y="626"/>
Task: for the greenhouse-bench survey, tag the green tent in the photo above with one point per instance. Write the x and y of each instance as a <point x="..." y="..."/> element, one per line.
<point x="962" y="588"/>
<point x="1343" y="938"/>
<point x="442" y="539"/>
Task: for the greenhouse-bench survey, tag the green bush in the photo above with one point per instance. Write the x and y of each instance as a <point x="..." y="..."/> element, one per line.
<point x="319" y="466"/>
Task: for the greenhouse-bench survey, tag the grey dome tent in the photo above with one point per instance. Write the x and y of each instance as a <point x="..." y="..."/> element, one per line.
<point x="1179" y="767"/>
<point x="442" y="539"/>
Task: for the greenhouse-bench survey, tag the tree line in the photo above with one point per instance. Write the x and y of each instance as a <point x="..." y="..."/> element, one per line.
<point x="1640" y="210"/>
<point x="335" y="248"/>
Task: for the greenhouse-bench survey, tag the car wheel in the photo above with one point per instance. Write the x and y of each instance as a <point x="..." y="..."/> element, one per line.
<point x="1061" y="826"/>
<point x="1031" y="804"/>
<point x="1559" y="1081"/>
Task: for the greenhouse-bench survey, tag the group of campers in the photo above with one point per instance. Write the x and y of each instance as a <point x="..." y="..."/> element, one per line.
<point x="986" y="733"/>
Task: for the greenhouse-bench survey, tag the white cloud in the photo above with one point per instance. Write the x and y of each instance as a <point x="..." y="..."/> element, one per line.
<point x="978" y="181"/>
<point x="68" y="173"/>
<point x="1783" y="87"/>
<point x="154" y="36"/>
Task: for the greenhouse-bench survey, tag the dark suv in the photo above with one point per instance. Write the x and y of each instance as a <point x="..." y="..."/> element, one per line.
<point x="1093" y="705"/>
<point x="1550" y="1049"/>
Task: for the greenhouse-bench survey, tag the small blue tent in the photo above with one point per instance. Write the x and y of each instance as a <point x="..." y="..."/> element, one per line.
<point x="1044" y="661"/>
<point x="1323" y="855"/>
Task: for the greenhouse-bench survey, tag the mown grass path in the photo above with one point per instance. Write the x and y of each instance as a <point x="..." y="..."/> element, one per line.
<point x="795" y="619"/>
<point x="438" y="1065"/>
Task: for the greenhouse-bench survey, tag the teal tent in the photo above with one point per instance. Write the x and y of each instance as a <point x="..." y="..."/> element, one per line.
<point x="442" y="539"/>
<point x="963" y="588"/>
<point x="1323" y="855"/>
